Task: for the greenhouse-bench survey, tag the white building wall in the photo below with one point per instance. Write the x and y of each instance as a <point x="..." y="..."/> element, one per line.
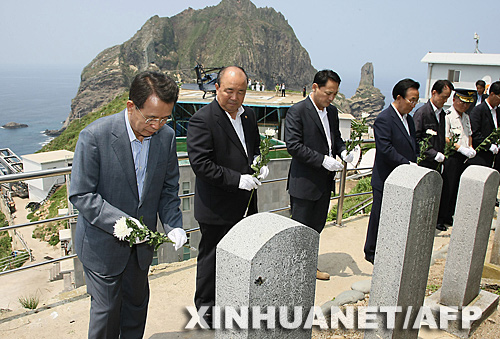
<point x="469" y="74"/>
<point x="39" y="188"/>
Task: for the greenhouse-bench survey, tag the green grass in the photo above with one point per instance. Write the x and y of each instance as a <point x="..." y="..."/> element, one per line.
<point x="50" y="231"/>
<point x="30" y="302"/>
<point x="68" y="138"/>
<point x="5" y="239"/>
<point x="433" y="288"/>
<point x="362" y="186"/>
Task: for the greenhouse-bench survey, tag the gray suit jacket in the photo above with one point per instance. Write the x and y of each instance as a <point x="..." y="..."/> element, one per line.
<point x="104" y="188"/>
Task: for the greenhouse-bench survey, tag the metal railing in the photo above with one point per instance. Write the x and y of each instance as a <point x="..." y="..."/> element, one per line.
<point x="67" y="170"/>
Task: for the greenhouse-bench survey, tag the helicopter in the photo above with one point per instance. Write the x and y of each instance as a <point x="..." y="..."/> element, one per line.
<point x="205" y="79"/>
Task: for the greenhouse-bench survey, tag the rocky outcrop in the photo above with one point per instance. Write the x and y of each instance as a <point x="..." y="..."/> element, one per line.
<point x="368" y="100"/>
<point x="232" y="32"/>
<point x="14" y="125"/>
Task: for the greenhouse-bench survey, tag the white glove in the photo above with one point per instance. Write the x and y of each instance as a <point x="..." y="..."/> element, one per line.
<point x="138" y="223"/>
<point x="472" y="153"/>
<point x="494" y="149"/>
<point x="264" y="172"/>
<point x="178" y="236"/>
<point x="248" y="182"/>
<point x="463" y="150"/>
<point x="347" y="157"/>
<point x="331" y="164"/>
<point x="439" y="157"/>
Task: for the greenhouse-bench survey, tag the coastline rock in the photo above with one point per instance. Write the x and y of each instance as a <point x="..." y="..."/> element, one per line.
<point x="368" y="100"/>
<point x="52" y="132"/>
<point x="14" y="125"/>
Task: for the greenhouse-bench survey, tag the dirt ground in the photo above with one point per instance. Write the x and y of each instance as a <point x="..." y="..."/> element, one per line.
<point x="489" y="329"/>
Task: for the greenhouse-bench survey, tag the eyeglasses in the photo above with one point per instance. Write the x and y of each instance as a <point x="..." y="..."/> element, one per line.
<point x="412" y="102"/>
<point x="150" y="121"/>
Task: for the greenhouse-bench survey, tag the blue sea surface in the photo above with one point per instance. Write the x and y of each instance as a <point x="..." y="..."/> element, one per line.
<point x="39" y="97"/>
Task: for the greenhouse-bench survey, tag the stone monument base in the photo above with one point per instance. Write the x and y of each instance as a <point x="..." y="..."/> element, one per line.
<point x="491" y="271"/>
<point x="486" y="301"/>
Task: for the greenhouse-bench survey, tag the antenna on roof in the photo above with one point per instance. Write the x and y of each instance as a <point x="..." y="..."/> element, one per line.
<point x="476" y="38"/>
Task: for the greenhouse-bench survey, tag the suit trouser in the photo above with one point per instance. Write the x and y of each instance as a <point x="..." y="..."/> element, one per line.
<point x="211" y="235"/>
<point x="119" y="304"/>
<point x="454" y="166"/>
<point x="371" y="233"/>
<point x="311" y="213"/>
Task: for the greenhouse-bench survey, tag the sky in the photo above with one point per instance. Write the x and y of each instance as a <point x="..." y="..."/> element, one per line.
<point x="339" y="35"/>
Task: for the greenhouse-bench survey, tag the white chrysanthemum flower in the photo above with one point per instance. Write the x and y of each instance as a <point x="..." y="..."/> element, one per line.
<point x="431" y="132"/>
<point x="456" y="131"/>
<point x="121" y="230"/>
<point x="270" y="133"/>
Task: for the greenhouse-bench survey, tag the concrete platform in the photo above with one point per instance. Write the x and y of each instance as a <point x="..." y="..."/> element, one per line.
<point x="486" y="301"/>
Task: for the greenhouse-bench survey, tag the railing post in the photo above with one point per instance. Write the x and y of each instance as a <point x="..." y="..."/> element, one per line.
<point x="340" y="205"/>
<point x="78" y="275"/>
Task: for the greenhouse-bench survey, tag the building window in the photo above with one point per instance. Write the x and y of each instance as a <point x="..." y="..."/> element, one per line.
<point x="186" y="202"/>
<point x="453" y="75"/>
<point x="186" y="187"/>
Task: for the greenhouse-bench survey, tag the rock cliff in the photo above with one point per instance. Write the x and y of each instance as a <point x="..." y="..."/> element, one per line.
<point x="368" y="99"/>
<point x="232" y="32"/>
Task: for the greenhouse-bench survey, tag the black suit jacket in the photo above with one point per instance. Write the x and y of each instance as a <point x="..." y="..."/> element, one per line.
<point x="473" y="104"/>
<point x="482" y="125"/>
<point x="218" y="160"/>
<point x="307" y="144"/>
<point x="394" y="146"/>
<point x="424" y="119"/>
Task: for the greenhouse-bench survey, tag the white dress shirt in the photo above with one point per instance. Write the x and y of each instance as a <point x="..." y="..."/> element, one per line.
<point x="404" y="119"/>
<point x="323" y="117"/>
<point x="140" y="153"/>
<point x="436" y="110"/>
<point x="493" y="111"/>
<point x="238" y="127"/>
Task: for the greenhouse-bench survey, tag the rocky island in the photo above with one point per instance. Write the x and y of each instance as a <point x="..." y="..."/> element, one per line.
<point x="14" y="125"/>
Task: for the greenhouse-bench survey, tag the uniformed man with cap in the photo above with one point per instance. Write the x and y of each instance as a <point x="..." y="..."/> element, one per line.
<point x="457" y="124"/>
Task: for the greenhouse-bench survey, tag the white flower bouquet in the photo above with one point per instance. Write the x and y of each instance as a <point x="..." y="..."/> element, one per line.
<point x="135" y="232"/>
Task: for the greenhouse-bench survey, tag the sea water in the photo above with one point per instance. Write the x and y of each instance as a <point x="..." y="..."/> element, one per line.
<point x="39" y="97"/>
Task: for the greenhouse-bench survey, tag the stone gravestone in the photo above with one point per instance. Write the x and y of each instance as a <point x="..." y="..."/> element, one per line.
<point x="404" y="247"/>
<point x="467" y="250"/>
<point x="266" y="260"/>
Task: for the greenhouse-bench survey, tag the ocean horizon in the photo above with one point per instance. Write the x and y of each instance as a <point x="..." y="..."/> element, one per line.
<point x="40" y="97"/>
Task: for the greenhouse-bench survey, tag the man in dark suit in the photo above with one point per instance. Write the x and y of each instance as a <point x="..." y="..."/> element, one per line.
<point x="395" y="142"/>
<point x="484" y="120"/>
<point x="313" y="140"/>
<point x="431" y="117"/>
<point x="222" y="142"/>
<point x="125" y="165"/>
<point x="479" y="96"/>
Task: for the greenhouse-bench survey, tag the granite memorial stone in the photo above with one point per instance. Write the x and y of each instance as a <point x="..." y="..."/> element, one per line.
<point x="266" y="263"/>
<point x="404" y="246"/>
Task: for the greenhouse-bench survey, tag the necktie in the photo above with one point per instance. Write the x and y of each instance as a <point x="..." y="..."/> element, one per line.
<point x="442" y="128"/>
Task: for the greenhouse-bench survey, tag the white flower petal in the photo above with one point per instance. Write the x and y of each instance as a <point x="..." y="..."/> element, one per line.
<point x="121" y="230"/>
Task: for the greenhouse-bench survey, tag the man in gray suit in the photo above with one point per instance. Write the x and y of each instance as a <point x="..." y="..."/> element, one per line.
<point x="125" y="165"/>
